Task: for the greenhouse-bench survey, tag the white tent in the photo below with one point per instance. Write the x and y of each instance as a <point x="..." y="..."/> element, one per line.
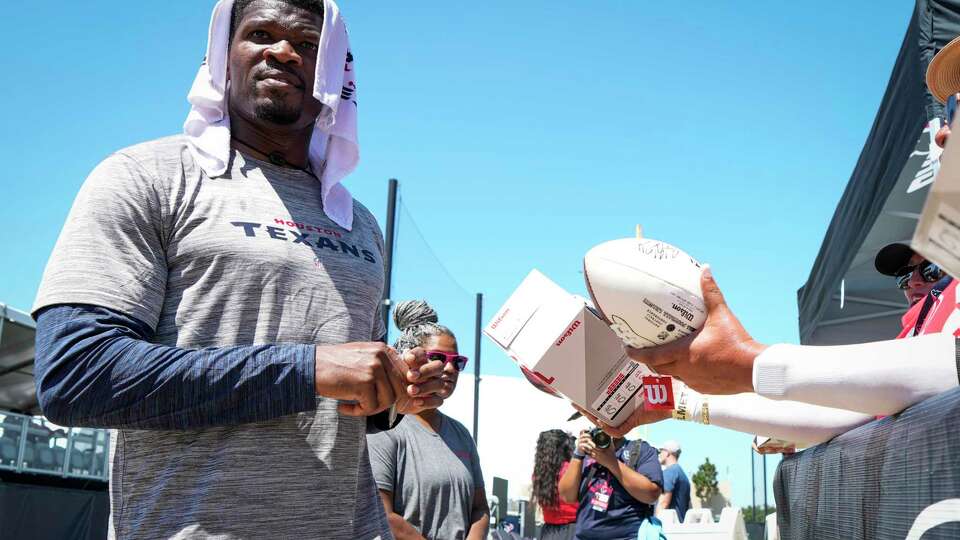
<point x="512" y="415"/>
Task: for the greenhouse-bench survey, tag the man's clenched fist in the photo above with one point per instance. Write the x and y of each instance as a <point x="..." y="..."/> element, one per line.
<point x="370" y="377"/>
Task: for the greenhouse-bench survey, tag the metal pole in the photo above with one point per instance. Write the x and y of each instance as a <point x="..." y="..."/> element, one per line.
<point x="24" y="426"/>
<point x="388" y="253"/>
<point x="3" y="320"/>
<point x="384" y="420"/>
<point x="764" y="488"/>
<point x="476" y="369"/>
<point x="753" y="478"/>
<point x="67" y="454"/>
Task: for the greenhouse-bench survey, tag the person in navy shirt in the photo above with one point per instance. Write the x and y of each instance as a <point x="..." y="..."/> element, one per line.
<point x="616" y="487"/>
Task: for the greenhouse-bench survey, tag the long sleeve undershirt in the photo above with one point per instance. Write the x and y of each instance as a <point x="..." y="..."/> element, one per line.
<point x="808" y="395"/>
<point x="800" y="423"/>
<point x="96" y="367"/>
<point x="879" y="378"/>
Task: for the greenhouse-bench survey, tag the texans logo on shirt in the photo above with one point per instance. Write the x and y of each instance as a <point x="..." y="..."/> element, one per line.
<point x="309" y="236"/>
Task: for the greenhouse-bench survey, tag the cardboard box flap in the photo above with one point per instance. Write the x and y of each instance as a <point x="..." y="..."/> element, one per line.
<point x="535" y="291"/>
<point x="564" y="347"/>
<point x="937" y="236"/>
<point x="543" y="330"/>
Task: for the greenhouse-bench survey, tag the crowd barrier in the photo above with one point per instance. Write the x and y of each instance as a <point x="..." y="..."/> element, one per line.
<point x="770" y="528"/>
<point x="894" y="478"/>
<point x="698" y="524"/>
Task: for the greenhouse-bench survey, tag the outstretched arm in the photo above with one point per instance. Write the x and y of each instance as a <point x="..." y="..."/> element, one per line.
<point x="872" y="378"/>
<point x="96" y="367"/>
<point x="801" y="423"/>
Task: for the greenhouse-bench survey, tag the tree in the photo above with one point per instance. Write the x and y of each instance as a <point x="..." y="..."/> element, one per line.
<point x="757" y="514"/>
<point x="705" y="481"/>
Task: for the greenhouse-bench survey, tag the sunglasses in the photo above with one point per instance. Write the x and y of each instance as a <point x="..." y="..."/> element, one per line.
<point x="930" y="273"/>
<point x="459" y="362"/>
<point x="951" y="109"/>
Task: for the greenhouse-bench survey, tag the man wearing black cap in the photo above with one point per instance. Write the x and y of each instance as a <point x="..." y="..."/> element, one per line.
<point x="914" y="275"/>
<point x="922" y="283"/>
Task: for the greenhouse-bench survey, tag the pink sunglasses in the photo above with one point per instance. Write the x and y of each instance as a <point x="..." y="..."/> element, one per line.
<point x="459" y="362"/>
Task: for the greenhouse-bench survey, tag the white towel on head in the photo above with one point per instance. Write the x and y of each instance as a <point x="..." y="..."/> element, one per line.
<point x="334" y="147"/>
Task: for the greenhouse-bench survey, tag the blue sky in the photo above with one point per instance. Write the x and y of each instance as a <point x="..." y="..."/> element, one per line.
<point x="522" y="132"/>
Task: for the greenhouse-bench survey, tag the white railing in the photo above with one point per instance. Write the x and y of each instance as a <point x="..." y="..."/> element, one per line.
<point x="33" y="444"/>
<point x="698" y="524"/>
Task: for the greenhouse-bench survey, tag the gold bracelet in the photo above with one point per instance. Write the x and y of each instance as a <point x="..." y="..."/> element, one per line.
<point x="705" y="412"/>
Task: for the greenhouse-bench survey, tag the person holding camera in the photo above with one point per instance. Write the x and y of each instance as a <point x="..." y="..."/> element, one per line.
<point x="615" y="483"/>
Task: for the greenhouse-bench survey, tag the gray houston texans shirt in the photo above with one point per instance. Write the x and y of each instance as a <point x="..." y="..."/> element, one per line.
<point x="245" y="258"/>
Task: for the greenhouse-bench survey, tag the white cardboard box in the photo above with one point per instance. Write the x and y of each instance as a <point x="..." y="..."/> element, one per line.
<point x="937" y="236"/>
<point x="560" y="339"/>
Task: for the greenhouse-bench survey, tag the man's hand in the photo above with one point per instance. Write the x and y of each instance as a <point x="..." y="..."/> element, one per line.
<point x="639" y="417"/>
<point x="775" y="447"/>
<point x="425" y="389"/>
<point x="371" y="377"/>
<point x="716" y="360"/>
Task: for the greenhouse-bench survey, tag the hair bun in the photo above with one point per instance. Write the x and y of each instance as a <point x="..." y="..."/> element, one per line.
<point x="412" y="313"/>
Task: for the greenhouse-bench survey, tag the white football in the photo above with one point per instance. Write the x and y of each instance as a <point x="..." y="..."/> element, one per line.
<point x="647" y="290"/>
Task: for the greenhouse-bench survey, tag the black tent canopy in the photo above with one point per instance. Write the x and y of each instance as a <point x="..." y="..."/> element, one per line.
<point x="845" y="300"/>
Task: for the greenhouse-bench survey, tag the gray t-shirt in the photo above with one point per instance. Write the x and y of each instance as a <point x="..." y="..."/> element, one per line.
<point x="245" y="258"/>
<point x="432" y="476"/>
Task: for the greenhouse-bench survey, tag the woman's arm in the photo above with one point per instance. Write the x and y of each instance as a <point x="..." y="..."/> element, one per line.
<point x="401" y="529"/>
<point x="569" y="484"/>
<point x="479" y="516"/>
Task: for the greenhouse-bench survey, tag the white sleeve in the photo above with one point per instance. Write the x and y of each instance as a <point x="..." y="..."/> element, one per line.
<point x="874" y="378"/>
<point x="800" y="423"/>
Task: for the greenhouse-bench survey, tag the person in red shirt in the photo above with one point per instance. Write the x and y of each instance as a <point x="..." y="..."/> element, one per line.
<point x="554" y="450"/>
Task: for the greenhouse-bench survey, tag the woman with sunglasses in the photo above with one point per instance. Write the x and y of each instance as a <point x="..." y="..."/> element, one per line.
<point x="427" y="468"/>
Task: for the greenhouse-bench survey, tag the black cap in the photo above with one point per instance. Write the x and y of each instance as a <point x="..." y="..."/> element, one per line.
<point x="893" y="257"/>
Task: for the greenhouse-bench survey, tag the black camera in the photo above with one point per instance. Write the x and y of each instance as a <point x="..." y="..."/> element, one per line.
<point x="600" y="438"/>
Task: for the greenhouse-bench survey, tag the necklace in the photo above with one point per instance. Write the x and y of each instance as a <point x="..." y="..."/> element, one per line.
<point x="275" y="157"/>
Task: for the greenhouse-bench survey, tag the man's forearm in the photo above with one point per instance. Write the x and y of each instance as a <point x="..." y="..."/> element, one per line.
<point x="801" y="423"/>
<point x="96" y="368"/>
<point x="872" y="378"/>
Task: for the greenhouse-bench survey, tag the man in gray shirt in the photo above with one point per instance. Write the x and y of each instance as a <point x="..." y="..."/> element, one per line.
<point x="225" y="322"/>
